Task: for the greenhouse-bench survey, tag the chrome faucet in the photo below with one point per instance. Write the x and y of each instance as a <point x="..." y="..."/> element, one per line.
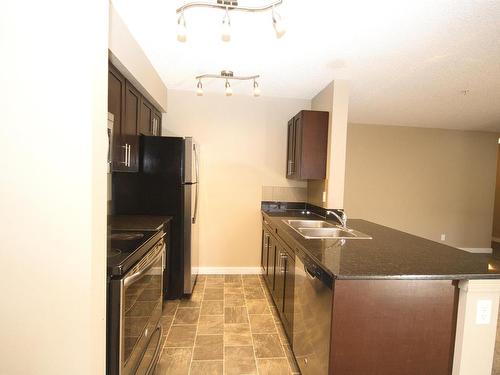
<point x="341" y="218"/>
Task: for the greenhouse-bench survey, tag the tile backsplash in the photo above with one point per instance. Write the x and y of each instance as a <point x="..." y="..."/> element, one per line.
<point x="284" y="194"/>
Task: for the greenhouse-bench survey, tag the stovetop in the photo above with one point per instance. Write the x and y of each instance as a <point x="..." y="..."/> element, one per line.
<point x="125" y="248"/>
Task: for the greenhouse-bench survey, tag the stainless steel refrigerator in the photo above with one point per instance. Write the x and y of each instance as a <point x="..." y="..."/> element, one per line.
<point x="167" y="184"/>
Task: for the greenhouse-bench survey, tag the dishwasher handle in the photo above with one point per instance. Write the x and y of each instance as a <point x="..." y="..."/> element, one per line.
<point x="313" y="270"/>
<point x="309" y="274"/>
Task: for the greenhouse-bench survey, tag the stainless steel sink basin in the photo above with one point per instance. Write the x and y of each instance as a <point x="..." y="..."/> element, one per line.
<point x="309" y="224"/>
<point x="319" y="229"/>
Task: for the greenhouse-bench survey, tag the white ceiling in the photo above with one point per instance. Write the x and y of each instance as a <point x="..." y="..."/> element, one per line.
<point x="408" y="61"/>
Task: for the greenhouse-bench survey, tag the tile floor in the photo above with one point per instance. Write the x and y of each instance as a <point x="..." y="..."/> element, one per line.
<point x="228" y="326"/>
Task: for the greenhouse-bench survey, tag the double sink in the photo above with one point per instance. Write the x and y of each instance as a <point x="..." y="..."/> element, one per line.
<point x="320" y="229"/>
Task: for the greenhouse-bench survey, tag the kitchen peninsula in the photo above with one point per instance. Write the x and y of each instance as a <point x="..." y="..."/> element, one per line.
<point x="386" y="305"/>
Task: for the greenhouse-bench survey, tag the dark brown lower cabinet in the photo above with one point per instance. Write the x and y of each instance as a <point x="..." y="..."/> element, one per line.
<point x="279" y="276"/>
<point x="288" y="293"/>
<point x="278" y="265"/>
<point x="264" y="256"/>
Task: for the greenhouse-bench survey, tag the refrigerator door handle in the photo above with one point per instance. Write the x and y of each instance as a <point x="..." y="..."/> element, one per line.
<point x="197" y="171"/>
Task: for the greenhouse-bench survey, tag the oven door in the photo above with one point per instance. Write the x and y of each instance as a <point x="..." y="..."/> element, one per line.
<point x="141" y="301"/>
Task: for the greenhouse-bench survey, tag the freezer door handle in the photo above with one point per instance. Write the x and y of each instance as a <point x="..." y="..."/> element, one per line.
<point x="197" y="171"/>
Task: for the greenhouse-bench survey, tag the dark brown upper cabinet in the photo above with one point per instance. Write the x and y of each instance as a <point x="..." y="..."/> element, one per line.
<point x="130" y="128"/>
<point x="133" y="116"/>
<point x="116" y="105"/>
<point x="156" y="122"/>
<point x="307" y="146"/>
<point x="150" y="120"/>
<point x="146" y="118"/>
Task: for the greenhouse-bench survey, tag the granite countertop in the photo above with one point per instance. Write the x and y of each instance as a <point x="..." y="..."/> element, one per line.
<point x="391" y="254"/>
<point x="137" y="222"/>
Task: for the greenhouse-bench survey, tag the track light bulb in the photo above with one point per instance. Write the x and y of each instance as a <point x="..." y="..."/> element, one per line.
<point x="229" y="90"/>
<point x="199" y="88"/>
<point x="278" y="25"/>
<point x="181" y="29"/>
<point x="256" y="89"/>
<point x="226" y="27"/>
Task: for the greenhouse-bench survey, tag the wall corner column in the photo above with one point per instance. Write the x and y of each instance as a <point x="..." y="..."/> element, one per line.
<point x="476" y="327"/>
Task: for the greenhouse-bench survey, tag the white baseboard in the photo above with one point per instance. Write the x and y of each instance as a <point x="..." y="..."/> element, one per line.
<point x="478" y="250"/>
<point x="229" y="270"/>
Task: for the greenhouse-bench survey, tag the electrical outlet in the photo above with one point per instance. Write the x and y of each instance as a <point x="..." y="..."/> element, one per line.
<point x="483" y="312"/>
<point x="324" y="197"/>
<point x="443" y="237"/>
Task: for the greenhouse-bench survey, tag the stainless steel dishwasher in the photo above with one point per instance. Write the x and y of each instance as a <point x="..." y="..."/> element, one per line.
<point x="313" y="298"/>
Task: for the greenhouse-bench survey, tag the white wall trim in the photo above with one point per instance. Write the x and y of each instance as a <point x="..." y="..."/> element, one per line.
<point x="480" y="286"/>
<point x="495" y="239"/>
<point x="478" y="250"/>
<point x="229" y="270"/>
<point x="474" y="342"/>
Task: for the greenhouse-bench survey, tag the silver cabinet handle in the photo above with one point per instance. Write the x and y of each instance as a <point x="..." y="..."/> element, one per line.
<point x="283" y="257"/>
<point x="126" y="155"/>
<point x="129" y="153"/>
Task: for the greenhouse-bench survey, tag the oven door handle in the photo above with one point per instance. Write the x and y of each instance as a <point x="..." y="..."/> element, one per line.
<point x="130" y="279"/>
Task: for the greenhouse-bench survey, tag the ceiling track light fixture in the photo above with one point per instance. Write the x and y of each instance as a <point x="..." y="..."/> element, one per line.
<point x="228" y="5"/>
<point x="228" y="75"/>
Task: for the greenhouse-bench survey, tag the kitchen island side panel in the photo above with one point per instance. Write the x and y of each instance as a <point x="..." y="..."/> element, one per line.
<point x="393" y="327"/>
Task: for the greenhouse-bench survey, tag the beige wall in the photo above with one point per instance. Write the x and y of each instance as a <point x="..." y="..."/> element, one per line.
<point x="496" y="213"/>
<point x="128" y="56"/>
<point x="53" y="187"/>
<point x="423" y="181"/>
<point x="334" y="98"/>
<point x="243" y="148"/>
<point x="317" y="189"/>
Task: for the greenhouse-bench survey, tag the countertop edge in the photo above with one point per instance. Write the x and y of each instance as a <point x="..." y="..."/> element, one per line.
<point x="277" y="221"/>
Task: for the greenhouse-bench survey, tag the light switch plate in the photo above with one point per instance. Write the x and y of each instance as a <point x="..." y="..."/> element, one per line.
<point x="483" y="312"/>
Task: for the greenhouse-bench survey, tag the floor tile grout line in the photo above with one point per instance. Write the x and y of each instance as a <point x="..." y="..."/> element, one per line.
<point x="251" y="335"/>
<point x="196" y="331"/>
<point x="279" y="338"/>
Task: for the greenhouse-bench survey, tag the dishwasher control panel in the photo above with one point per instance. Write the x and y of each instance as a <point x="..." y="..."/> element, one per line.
<point x="313" y="269"/>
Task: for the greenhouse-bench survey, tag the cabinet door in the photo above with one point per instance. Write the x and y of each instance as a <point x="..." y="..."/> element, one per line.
<point x="116" y="106"/>
<point x="290" y="158"/>
<point x="279" y="278"/>
<point x="288" y="294"/>
<point x="156" y="122"/>
<point x="271" y="263"/>
<point x="265" y="251"/>
<point x="130" y="125"/>
<point x="146" y="119"/>
<point x="297" y="142"/>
